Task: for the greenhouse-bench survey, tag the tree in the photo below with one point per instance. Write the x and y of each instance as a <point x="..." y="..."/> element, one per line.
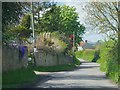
<point x="104" y="17"/>
<point x="11" y="14"/>
<point x="26" y="21"/>
<point x="63" y="19"/>
<point x="23" y="29"/>
<point x="21" y="32"/>
<point x="38" y="8"/>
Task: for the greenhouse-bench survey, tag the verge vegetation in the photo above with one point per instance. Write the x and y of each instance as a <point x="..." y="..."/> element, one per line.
<point x="108" y="59"/>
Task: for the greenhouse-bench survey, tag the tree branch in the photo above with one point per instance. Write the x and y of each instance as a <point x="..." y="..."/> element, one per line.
<point x="106" y="17"/>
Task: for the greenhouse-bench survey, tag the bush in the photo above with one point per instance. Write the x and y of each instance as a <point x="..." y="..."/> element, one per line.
<point x="112" y="64"/>
<point x="76" y="61"/>
<point x="109" y="60"/>
<point x="79" y="54"/>
<point x="89" y="55"/>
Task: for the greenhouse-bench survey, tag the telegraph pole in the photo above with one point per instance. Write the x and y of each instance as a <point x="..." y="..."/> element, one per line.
<point x="32" y="22"/>
<point x="32" y="18"/>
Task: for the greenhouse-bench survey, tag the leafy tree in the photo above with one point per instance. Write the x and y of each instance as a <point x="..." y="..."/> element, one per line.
<point x="26" y="21"/>
<point x="20" y="32"/>
<point x="11" y="14"/>
<point x="63" y="19"/>
<point x="23" y="30"/>
<point x="38" y="8"/>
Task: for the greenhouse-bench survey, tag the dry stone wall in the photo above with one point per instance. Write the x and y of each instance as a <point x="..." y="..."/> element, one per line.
<point x="49" y="59"/>
<point x="11" y="60"/>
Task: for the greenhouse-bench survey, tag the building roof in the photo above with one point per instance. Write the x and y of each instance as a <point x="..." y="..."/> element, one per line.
<point x="88" y="46"/>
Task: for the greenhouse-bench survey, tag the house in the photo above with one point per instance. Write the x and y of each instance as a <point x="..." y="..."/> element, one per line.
<point x="85" y="45"/>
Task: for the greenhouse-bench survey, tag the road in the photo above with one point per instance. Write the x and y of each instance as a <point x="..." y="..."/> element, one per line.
<point x="87" y="75"/>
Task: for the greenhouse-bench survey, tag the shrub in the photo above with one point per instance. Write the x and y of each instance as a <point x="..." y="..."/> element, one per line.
<point x="109" y="60"/>
<point x="86" y="54"/>
<point x="76" y="61"/>
<point x="112" y="64"/>
<point x="79" y="54"/>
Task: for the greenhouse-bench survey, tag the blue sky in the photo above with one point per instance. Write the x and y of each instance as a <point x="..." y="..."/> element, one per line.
<point x="93" y="37"/>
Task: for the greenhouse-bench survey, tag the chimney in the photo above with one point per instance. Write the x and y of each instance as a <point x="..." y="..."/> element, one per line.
<point x="85" y="41"/>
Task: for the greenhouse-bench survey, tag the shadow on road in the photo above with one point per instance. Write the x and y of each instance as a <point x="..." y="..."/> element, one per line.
<point x="103" y="88"/>
<point x="41" y="79"/>
<point x="84" y="77"/>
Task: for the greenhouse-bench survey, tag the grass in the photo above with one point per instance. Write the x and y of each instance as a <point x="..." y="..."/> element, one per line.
<point x="79" y="54"/>
<point x="13" y="79"/>
<point x="86" y="54"/>
<point x="17" y="77"/>
<point x="57" y="68"/>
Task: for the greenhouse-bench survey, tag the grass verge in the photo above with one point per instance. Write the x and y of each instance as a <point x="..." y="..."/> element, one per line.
<point x="17" y="77"/>
<point x="57" y="68"/>
<point x="86" y="54"/>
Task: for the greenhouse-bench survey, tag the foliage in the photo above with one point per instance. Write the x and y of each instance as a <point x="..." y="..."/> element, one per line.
<point x="104" y="49"/>
<point x="21" y="32"/>
<point x="86" y="54"/>
<point x="76" y="61"/>
<point x="89" y="54"/>
<point x="79" y="54"/>
<point x="11" y="13"/>
<point x="7" y="36"/>
<point x="26" y="21"/>
<point x="63" y="19"/>
<point x="109" y="60"/>
<point x="40" y="6"/>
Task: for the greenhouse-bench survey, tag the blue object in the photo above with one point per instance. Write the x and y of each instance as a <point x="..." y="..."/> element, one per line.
<point x="22" y="51"/>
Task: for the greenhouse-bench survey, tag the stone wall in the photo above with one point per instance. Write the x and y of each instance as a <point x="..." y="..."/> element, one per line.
<point x="48" y="59"/>
<point x="11" y="60"/>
